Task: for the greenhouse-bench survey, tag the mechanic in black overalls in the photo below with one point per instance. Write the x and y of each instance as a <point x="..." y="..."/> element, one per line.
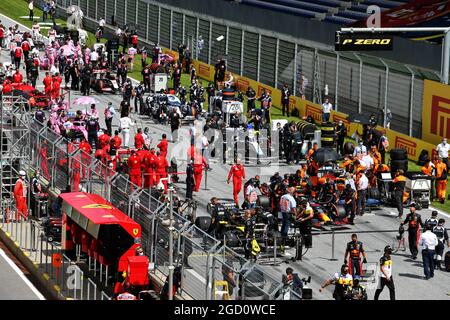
<point x="139" y="98"/>
<point x="414" y="221"/>
<point x="86" y="79"/>
<point x="92" y="128"/>
<point x="190" y="182"/>
<point x="146" y="76"/>
<point x="219" y="219"/>
<point x="39" y="115"/>
<point x="121" y="72"/>
<point x="304" y="220"/>
<point x="127" y="90"/>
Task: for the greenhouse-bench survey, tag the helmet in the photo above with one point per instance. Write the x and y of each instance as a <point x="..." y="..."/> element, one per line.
<point x="22" y="173"/>
<point x="388" y="249"/>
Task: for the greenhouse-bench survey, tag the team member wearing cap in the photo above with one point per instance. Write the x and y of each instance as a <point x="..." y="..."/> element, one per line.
<point x="20" y="195"/>
<point x="386" y="274"/>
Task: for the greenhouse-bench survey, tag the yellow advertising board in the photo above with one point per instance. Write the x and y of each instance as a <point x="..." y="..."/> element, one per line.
<point x="435" y="111"/>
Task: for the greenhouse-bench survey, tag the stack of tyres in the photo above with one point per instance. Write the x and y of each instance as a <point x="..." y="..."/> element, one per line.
<point x="306" y="129"/>
<point x="228" y="94"/>
<point x="328" y="135"/>
<point x="399" y="160"/>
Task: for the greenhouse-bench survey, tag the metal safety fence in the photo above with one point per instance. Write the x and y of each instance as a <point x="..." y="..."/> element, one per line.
<point x="64" y="167"/>
<point x="353" y="82"/>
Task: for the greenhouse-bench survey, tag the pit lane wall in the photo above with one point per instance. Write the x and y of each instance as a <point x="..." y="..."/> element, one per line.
<point x="435" y="95"/>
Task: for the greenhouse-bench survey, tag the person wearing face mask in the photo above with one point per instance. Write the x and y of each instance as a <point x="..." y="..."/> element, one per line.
<point x="343" y="281"/>
<point x="386" y="275"/>
<point x="442" y="151"/>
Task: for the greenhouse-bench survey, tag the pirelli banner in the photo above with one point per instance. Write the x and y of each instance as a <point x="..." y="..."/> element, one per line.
<point x="363" y="42"/>
<point x="435" y="111"/>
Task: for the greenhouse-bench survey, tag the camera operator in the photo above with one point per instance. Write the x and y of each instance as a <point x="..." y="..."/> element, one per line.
<point x="304" y="219"/>
<point x="294" y="281"/>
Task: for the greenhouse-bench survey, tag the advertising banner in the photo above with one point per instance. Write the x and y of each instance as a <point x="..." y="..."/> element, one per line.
<point x="435" y="111"/>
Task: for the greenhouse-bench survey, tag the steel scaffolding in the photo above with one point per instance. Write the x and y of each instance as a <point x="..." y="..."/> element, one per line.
<point x="15" y="148"/>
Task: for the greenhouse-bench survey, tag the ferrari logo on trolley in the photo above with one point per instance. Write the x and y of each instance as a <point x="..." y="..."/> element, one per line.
<point x="97" y="206"/>
<point x="135" y="231"/>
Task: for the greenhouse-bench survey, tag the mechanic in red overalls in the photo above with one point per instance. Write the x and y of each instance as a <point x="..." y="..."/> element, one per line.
<point x="44" y="160"/>
<point x="134" y="166"/>
<point x="75" y="164"/>
<point x="199" y="163"/>
<point x="47" y="84"/>
<point x="139" y="140"/>
<point x="142" y="154"/>
<point x="161" y="169"/>
<point x="103" y="140"/>
<point x="56" y="85"/>
<point x="7" y="87"/>
<point x="17" y="77"/>
<point x="238" y="172"/>
<point x="163" y="145"/>
<point x="86" y="149"/>
<point x="20" y="195"/>
<point x="116" y="141"/>
<point x="150" y="166"/>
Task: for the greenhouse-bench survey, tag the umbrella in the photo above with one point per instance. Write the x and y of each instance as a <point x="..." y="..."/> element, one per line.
<point x="85" y="100"/>
<point x="67" y="50"/>
<point x="362" y="118"/>
<point x="324" y="155"/>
